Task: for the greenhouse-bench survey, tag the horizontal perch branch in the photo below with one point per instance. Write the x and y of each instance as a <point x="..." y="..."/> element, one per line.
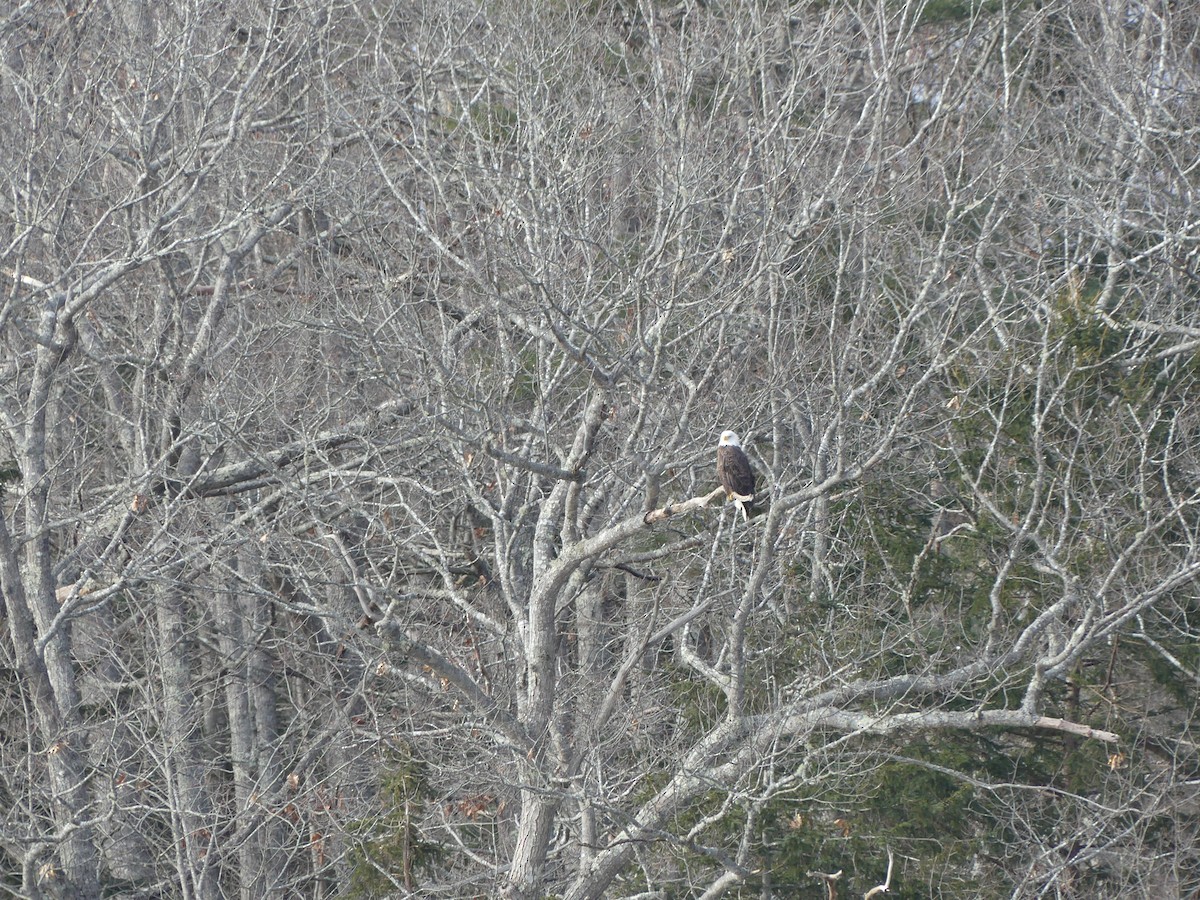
<point x="678" y="509"/>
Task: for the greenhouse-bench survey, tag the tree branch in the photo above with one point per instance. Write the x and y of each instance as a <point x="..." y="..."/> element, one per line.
<point x="887" y="881"/>
<point x="938" y="719"/>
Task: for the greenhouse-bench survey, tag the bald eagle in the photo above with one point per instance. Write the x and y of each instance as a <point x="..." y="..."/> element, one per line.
<point x="733" y="468"/>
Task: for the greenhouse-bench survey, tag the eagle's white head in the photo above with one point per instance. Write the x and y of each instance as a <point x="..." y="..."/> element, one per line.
<point x="729" y="439"/>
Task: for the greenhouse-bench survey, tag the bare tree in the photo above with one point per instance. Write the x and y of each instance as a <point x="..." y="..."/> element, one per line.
<point x="363" y="371"/>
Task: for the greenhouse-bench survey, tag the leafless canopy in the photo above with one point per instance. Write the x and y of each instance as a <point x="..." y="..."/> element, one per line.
<point x="361" y="368"/>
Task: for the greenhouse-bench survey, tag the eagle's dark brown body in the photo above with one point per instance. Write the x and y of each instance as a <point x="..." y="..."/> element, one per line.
<point x="734" y="472"/>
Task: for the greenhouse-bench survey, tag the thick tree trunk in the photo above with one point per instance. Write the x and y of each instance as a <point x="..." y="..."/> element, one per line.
<point x="191" y="808"/>
<point x="250" y="741"/>
<point x="50" y="682"/>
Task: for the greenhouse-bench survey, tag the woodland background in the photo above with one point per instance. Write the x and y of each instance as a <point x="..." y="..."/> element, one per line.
<point x="358" y="360"/>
